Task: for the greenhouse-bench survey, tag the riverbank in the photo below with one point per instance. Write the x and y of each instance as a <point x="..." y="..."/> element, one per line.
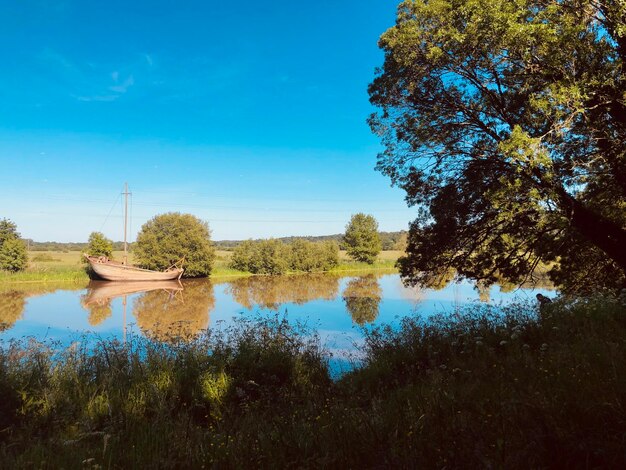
<point x="484" y="388"/>
<point x="51" y="266"/>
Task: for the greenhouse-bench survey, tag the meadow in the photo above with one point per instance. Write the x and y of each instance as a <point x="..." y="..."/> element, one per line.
<point x="484" y="387"/>
<point x="67" y="266"/>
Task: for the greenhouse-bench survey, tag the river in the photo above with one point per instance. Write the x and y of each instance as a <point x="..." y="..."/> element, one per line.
<point x="335" y="306"/>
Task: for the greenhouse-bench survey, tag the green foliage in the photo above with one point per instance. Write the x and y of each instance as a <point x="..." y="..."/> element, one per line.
<point x="99" y="245"/>
<point x="361" y="238"/>
<point x="310" y="257"/>
<point x="261" y="257"/>
<point x="167" y="238"/>
<point x="504" y="122"/>
<point x="8" y="231"/>
<point x="275" y="257"/>
<point x="13" y="255"/>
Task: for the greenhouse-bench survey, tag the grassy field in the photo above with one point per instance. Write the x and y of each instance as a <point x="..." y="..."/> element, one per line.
<point x="67" y="266"/>
<point x="483" y="388"/>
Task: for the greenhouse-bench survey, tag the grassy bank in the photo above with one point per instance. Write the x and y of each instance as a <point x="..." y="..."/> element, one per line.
<point x="473" y="390"/>
<point x="48" y="266"/>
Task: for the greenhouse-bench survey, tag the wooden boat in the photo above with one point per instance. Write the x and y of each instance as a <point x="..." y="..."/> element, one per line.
<point x="114" y="271"/>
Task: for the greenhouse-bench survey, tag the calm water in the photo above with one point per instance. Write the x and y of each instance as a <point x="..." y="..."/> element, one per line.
<point x="335" y="306"/>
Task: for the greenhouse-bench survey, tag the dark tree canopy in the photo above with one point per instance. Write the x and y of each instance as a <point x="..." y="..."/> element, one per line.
<point x="505" y="123"/>
<point x="167" y="238"/>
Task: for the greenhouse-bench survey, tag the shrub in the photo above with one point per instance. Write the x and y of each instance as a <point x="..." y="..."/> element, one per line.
<point x="275" y="257"/>
<point x="311" y="257"/>
<point x="13" y="255"/>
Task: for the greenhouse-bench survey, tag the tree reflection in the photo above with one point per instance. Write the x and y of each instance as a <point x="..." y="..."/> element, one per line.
<point x="12" y="305"/>
<point x="99" y="312"/>
<point x="167" y="315"/>
<point x="484" y="291"/>
<point x="271" y="291"/>
<point x="362" y="297"/>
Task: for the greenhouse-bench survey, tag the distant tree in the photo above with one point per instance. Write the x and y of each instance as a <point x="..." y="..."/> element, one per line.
<point x="13" y="254"/>
<point x="505" y="124"/>
<point x="401" y="241"/>
<point x="99" y="245"/>
<point x="167" y="238"/>
<point x="361" y="238"/>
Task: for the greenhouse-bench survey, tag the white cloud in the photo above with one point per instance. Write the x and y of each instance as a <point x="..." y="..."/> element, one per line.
<point x="124" y="86"/>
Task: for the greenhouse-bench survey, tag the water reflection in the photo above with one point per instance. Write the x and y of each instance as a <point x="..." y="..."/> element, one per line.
<point x="163" y="310"/>
<point x="12" y="305"/>
<point x="270" y="292"/>
<point x="167" y="313"/>
<point x="362" y="297"/>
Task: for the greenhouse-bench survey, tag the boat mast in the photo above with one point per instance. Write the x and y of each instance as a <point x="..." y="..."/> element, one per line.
<point x="125" y="193"/>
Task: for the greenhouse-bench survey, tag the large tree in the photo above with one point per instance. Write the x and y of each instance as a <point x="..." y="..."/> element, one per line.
<point x="361" y="239"/>
<point x="505" y="123"/>
<point x="167" y="238"/>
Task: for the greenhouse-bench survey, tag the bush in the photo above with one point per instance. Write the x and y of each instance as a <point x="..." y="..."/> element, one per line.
<point x="313" y="257"/>
<point x="275" y="257"/>
<point x="45" y="258"/>
<point x="167" y="238"/>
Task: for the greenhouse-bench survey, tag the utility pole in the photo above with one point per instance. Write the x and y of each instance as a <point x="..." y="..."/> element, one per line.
<point x="125" y="193"/>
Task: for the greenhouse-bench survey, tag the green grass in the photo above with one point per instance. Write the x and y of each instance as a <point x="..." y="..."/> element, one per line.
<point x="49" y="266"/>
<point x="483" y="388"/>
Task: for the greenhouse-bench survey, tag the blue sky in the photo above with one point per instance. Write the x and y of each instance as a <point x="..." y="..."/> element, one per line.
<point x="250" y="115"/>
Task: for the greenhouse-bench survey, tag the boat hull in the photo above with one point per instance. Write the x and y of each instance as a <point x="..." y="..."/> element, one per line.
<point x="111" y="271"/>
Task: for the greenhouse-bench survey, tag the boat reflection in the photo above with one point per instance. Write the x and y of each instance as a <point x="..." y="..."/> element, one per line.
<point x="99" y="295"/>
<point x="270" y="292"/>
<point x="362" y="297"/>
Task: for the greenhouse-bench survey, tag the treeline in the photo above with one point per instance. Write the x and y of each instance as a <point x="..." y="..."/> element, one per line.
<point x="273" y="256"/>
<point x="65" y="247"/>
<point x="390" y="240"/>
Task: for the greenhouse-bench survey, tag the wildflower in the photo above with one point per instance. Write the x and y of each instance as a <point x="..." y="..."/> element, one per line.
<point x="503" y="343"/>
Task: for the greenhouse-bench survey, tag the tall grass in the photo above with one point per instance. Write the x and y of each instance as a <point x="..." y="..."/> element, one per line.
<point x="484" y="388"/>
